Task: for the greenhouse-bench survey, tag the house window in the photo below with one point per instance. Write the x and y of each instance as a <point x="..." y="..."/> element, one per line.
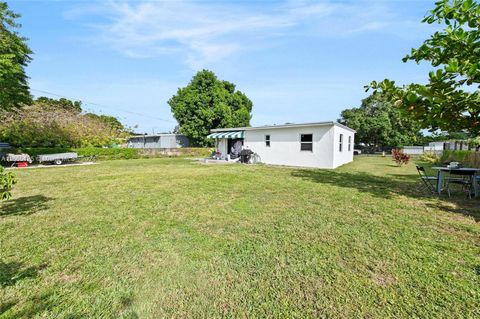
<point x="267" y="140"/>
<point x="340" y="144"/>
<point x="349" y="143"/>
<point x="306" y="142"/>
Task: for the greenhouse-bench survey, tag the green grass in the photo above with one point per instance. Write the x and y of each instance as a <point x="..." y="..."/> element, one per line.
<point x="173" y="238"/>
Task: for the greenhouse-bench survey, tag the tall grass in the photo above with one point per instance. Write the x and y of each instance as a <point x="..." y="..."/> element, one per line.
<point x="466" y="158"/>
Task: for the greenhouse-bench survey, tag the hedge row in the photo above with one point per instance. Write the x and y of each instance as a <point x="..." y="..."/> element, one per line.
<point x="119" y="153"/>
<point x="108" y="153"/>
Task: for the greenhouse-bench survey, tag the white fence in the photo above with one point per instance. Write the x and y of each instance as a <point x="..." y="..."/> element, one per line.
<point x="436" y="147"/>
<point x="414" y="150"/>
<point x="419" y="150"/>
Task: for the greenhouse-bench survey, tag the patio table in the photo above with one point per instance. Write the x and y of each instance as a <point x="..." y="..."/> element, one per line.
<point x="441" y="177"/>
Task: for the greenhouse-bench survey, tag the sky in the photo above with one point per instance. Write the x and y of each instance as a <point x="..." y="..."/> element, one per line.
<point x="298" y="61"/>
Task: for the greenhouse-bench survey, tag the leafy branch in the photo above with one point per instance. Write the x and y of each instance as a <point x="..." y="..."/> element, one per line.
<point x="450" y="101"/>
<point x="7" y="180"/>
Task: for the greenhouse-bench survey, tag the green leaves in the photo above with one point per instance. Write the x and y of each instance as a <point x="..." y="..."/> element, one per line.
<point x="7" y="180"/>
<point x="452" y="66"/>
<point x="40" y="125"/>
<point x="14" y="57"/>
<point x="379" y="122"/>
<point x="207" y="103"/>
<point x="62" y="103"/>
<point x="450" y="101"/>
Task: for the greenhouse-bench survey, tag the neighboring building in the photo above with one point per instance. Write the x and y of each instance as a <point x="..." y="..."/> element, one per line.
<point x="321" y="145"/>
<point x="436" y="147"/>
<point x="158" y="141"/>
<point x="456" y="145"/>
<point x="414" y="150"/>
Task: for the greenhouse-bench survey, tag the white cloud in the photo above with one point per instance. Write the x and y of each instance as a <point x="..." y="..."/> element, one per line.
<point x="375" y="25"/>
<point x="203" y="33"/>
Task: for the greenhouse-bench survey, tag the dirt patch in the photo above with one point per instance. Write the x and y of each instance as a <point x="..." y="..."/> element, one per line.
<point x="69" y="278"/>
<point x="384" y="280"/>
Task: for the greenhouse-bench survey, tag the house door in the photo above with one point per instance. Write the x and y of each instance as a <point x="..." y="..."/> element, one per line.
<point x="232" y="142"/>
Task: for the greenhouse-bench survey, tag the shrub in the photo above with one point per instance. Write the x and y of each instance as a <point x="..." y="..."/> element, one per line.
<point x="109" y="153"/>
<point x="430" y="157"/>
<point x="187" y="152"/>
<point x="7" y="180"/>
<point x="400" y="157"/>
<point x="131" y="153"/>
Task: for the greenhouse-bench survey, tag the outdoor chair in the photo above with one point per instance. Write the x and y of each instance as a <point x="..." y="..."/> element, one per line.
<point x="463" y="178"/>
<point x="427" y="182"/>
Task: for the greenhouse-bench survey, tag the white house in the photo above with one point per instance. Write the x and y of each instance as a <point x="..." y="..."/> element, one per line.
<point x="321" y="144"/>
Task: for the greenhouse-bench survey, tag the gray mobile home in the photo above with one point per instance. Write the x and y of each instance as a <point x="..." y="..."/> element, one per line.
<point x="158" y="141"/>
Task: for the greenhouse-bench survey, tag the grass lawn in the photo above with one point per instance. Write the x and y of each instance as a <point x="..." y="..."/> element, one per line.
<point x="173" y="238"/>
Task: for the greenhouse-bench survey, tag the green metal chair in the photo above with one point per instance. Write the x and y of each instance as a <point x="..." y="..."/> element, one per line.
<point x="427" y="182"/>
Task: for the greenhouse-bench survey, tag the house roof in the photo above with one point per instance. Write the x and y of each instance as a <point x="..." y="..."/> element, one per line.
<point x="290" y="125"/>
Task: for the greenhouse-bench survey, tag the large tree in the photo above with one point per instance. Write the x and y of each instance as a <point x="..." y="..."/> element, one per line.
<point x="450" y="101"/>
<point x="14" y="57"/>
<point x="207" y="103"/>
<point x="379" y="124"/>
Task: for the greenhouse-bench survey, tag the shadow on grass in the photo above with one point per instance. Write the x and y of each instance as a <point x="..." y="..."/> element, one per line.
<point x="5" y="306"/>
<point x="467" y="207"/>
<point x="12" y="272"/>
<point x="379" y="186"/>
<point x="389" y="185"/>
<point x="24" y="205"/>
<point x="29" y="309"/>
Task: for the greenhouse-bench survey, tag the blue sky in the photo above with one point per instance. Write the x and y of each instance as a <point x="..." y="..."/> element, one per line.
<point x="298" y="61"/>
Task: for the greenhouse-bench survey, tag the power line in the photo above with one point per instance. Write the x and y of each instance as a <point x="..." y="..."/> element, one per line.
<point x="102" y="105"/>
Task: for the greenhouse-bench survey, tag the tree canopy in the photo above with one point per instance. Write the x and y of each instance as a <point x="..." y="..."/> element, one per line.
<point x="62" y="103"/>
<point x="110" y="121"/>
<point x="379" y="124"/>
<point x="450" y="101"/>
<point x="207" y="103"/>
<point x="14" y="57"/>
<point x="55" y="123"/>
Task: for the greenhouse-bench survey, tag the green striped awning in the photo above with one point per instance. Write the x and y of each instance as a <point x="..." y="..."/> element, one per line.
<point x="235" y="134"/>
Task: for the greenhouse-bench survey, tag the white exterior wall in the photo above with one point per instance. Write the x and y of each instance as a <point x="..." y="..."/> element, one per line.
<point x="413" y="150"/>
<point x="158" y="141"/>
<point x="345" y="156"/>
<point x="436" y="146"/>
<point x="285" y="146"/>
